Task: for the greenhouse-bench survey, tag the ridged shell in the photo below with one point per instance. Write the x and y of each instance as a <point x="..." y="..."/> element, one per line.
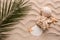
<point x="36" y="31"/>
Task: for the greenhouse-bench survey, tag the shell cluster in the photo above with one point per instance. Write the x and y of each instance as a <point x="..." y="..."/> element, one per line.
<point x="43" y="23"/>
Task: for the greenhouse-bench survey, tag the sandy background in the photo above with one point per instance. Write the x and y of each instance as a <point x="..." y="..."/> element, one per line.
<point x="21" y="33"/>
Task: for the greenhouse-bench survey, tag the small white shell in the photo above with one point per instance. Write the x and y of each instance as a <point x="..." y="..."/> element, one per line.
<point x="36" y="31"/>
<point x="46" y="9"/>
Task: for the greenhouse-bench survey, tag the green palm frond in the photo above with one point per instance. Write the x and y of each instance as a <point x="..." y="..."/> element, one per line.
<point x="11" y="11"/>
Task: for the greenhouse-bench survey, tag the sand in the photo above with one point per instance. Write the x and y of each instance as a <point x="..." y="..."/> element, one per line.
<point x="21" y="31"/>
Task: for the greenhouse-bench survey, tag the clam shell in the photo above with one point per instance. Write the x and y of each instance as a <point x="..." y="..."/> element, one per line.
<point x="36" y="31"/>
<point x="46" y="11"/>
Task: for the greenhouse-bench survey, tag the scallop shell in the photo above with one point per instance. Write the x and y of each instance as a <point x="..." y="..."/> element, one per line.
<point x="36" y="31"/>
<point x="46" y="11"/>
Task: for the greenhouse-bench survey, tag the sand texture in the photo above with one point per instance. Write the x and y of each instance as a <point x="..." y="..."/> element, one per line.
<point x="21" y="31"/>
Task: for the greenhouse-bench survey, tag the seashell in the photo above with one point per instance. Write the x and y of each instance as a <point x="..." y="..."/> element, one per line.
<point x="36" y="31"/>
<point x="46" y="11"/>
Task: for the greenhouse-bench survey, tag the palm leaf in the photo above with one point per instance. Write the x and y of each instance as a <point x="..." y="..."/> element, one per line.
<point x="10" y="13"/>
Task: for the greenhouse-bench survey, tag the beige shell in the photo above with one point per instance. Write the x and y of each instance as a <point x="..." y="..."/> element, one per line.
<point x="46" y="11"/>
